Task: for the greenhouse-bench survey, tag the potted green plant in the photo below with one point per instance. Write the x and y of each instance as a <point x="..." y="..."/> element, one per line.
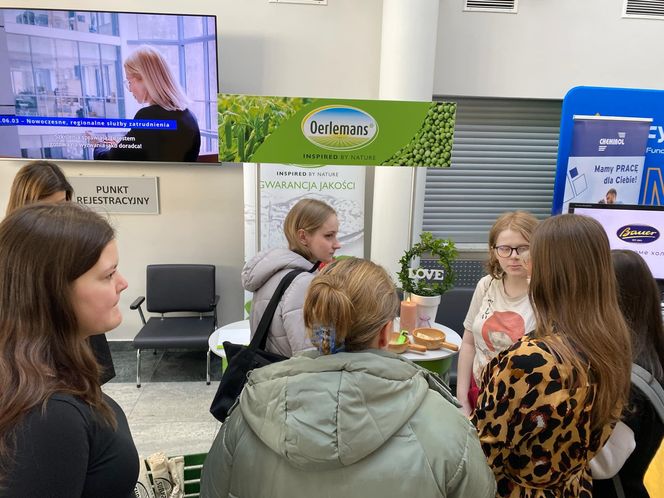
<point x="424" y="286"/>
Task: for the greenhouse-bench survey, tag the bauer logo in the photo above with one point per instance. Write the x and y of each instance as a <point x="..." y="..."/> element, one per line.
<point x="638" y="234"/>
<point x="339" y="127"/>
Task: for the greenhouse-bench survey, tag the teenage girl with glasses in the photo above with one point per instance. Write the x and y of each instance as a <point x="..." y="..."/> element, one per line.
<point x="500" y="312"/>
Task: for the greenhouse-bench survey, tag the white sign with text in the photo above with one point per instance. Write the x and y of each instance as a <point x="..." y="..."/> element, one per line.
<point x="118" y="195"/>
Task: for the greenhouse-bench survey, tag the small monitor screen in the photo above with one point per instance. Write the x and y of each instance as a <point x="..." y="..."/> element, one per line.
<point x="121" y="86"/>
<point x="633" y="227"/>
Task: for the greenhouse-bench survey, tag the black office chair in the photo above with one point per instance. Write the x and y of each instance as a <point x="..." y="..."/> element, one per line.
<point x="455" y="302"/>
<point x="452" y="312"/>
<point x="177" y="288"/>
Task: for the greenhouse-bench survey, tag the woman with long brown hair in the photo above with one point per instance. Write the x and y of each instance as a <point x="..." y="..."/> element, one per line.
<point x="60" y="436"/>
<point x="44" y="181"/>
<point x="550" y="401"/>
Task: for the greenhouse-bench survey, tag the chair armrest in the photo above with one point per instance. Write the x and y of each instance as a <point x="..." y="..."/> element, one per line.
<point x="137" y="305"/>
<point x="139" y="300"/>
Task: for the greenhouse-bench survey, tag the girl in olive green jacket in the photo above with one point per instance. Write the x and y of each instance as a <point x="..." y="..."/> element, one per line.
<point x="350" y="419"/>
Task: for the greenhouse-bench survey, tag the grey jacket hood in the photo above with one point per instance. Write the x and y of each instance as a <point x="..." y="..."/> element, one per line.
<point x="331" y="411"/>
<point x="266" y="263"/>
<point x="261" y="275"/>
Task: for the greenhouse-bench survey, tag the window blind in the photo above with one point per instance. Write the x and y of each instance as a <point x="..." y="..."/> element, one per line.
<point x="503" y="159"/>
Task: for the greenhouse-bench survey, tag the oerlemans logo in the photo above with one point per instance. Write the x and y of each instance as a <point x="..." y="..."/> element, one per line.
<point x="638" y="234"/>
<point x="339" y="127"/>
<point x="604" y="142"/>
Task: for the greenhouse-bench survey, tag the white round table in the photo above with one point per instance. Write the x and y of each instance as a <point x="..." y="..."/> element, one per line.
<point x="436" y="354"/>
<point x="236" y="332"/>
<point x="239" y="333"/>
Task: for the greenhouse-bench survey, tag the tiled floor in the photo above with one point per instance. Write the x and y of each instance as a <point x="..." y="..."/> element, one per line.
<point x="164" y="366"/>
<point x="169" y="412"/>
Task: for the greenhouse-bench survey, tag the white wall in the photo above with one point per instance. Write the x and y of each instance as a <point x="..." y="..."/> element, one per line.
<point x="545" y="49"/>
<point x="265" y="49"/>
<point x="299" y="50"/>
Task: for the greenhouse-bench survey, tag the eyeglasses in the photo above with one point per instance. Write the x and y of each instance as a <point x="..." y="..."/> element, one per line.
<point x="506" y="251"/>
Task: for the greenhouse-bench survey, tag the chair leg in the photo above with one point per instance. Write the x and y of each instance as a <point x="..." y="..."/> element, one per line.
<point x="138" y="368"/>
<point x="208" y="368"/>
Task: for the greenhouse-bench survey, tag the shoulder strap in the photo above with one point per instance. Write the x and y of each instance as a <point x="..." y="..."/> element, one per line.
<point x="648" y="385"/>
<point x="260" y="337"/>
<point x="617" y="483"/>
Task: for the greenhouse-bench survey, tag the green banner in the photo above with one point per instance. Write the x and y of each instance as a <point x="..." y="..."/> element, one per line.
<point x="303" y="131"/>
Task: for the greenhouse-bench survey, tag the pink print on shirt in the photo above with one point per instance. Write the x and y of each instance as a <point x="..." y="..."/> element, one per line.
<point x="501" y="324"/>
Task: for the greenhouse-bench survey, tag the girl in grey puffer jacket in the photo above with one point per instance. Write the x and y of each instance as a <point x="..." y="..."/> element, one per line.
<point x="350" y="419"/>
<point x="311" y="228"/>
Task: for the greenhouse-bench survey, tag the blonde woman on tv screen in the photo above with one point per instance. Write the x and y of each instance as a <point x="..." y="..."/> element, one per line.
<point x="151" y="82"/>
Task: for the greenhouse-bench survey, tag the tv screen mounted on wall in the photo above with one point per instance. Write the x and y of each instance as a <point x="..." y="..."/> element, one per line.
<point x="126" y="86"/>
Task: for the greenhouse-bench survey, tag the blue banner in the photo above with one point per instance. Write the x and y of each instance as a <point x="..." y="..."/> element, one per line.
<point x="606" y="161"/>
<point x="629" y="102"/>
<point x="143" y="124"/>
<point x="606" y="137"/>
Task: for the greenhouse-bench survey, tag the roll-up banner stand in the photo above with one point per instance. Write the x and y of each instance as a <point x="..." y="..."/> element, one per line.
<point x="299" y="147"/>
<point x="629" y="104"/>
<point x="271" y="190"/>
<point x="605" y="164"/>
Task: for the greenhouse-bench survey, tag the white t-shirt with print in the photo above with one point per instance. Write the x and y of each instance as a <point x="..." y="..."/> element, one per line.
<point x="496" y="320"/>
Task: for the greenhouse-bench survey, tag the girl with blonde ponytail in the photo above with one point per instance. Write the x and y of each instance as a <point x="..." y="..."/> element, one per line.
<point x="340" y="300"/>
<point x="340" y="420"/>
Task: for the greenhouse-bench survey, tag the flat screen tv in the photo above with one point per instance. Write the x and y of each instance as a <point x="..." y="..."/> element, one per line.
<point x="634" y="227"/>
<point x="83" y="85"/>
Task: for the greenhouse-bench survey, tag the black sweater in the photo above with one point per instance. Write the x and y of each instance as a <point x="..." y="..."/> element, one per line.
<point x="70" y="452"/>
<point x="181" y="144"/>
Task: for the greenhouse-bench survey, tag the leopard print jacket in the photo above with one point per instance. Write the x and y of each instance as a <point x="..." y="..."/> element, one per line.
<point x="535" y="427"/>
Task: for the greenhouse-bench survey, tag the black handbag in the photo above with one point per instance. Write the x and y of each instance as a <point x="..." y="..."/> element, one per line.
<point x="243" y="359"/>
